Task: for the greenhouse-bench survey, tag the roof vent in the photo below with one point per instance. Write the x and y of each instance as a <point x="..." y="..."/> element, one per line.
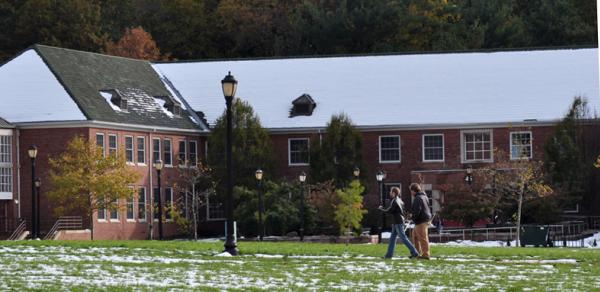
<point x="114" y="98"/>
<point x="170" y="104"/>
<point x="302" y="106"/>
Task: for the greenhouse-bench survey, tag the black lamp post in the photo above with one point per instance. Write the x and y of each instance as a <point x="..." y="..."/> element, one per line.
<point x="229" y="85"/>
<point x="159" y="166"/>
<point x="32" y="152"/>
<point x="380" y="176"/>
<point x="302" y="179"/>
<point x="469" y="176"/>
<point x="261" y="228"/>
<point x="38" y="184"/>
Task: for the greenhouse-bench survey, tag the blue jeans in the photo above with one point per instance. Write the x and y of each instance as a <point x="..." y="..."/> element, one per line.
<point x="398" y="229"/>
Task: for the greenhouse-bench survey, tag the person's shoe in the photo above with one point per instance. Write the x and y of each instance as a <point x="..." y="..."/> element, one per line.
<point x="413" y="257"/>
<point x="423" y="258"/>
<point x="387" y="258"/>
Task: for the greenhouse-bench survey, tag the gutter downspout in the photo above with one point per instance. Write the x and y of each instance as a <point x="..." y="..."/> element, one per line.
<point x="148" y="155"/>
<point x="18" y="136"/>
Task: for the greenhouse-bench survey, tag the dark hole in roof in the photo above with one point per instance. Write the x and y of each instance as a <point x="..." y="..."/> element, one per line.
<point x="304" y="105"/>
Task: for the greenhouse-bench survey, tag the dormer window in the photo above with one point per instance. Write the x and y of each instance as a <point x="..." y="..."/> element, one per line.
<point x="169" y="104"/>
<point x="114" y="98"/>
<point x="302" y="106"/>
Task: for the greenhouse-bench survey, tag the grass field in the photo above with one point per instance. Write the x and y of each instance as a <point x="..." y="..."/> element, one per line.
<point x="178" y="265"/>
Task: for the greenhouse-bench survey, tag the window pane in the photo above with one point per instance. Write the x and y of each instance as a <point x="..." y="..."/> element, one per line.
<point x="114" y="210"/>
<point x="390" y="148"/>
<point x="130" y="208"/>
<point x="167" y="151"/>
<point x="193" y="150"/>
<point x="100" y="142"/>
<point x="299" y="151"/>
<point x="129" y="149"/>
<point x="168" y="205"/>
<point x="182" y="152"/>
<point x="142" y="204"/>
<point x="155" y="150"/>
<point x="478" y="146"/>
<point x="433" y="147"/>
<point x="141" y="150"/>
<point x="155" y="207"/>
<point x="112" y="145"/>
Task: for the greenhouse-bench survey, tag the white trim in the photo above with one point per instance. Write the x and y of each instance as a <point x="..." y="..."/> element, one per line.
<point x="4" y="132"/>
<point x="137" y="154"/>
<point x="101" y="124"/>
<point x="137" y="217"/>
<point x="116" y="143"/>
<point x="132" y="162"/>
<point x="170" y="151"/>
<point x="103" y="142"/>
<point x="181" y="163"/>
<point x="399" y="149"/>
<point x="423" y="148"/>
<point x="510" y="145"/>
<point x="463" y="149"/>
<point x="153" y="150"/>
<point x="189" y="149"/>
<point x="290" y="151"/>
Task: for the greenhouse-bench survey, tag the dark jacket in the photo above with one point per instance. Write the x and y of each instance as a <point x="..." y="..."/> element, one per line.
<point x="420" y="209"/>
<point x="395" y="209"/>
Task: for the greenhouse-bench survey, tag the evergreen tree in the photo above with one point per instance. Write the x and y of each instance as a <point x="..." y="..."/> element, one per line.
<point x="252" y="147"/>
<point x="83" y="180"/>
<point x="338" y="154"/>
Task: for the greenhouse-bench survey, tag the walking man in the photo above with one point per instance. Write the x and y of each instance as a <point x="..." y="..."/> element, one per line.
<point x="396" y="209"/>
<point x="421" y="215"/>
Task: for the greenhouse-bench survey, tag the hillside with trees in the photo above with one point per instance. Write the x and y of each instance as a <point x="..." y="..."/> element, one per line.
<point x="200" y="29"/>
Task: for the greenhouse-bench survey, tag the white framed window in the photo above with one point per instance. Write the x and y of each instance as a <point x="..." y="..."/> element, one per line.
<point x="114" y="211"/>
<point x="476" y="146"/>
<point x="298" y="151"/>
<point x="214" y="210"/>
<point x="521" y="145"/>
<point x="168" y="205"/>
<point x="102" y="214"/>
<point x="389" y="149"/>
<point x="155" y="150"/>
<point x="182" y="153"/>
<point x="167" y="155"/>
<point x="129" y="149"/>
<point x="193" y="153"/>
<point x="433" y="147"/>
<point x="112" y="144"/>
<point x="6" y="165"/>
<point x="130" y="209"/>
<point x="141" y="150"/>
<point x="141" y="211"/>
<point x="100" y="143"/>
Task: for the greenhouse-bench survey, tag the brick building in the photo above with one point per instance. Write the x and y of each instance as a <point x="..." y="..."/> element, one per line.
<point x="427" y="115"/>
<point x="53" y="95"/>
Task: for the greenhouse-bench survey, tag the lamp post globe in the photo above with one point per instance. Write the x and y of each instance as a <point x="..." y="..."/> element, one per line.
<point x="32" y="152"/>
<point x="302" y="179"/>
<point x="261" y="227"/>
<point x="159" y="166"/>
<point x="356" y="172"/>
<point x="229" y="86"/>
<point x="469" y="176"/>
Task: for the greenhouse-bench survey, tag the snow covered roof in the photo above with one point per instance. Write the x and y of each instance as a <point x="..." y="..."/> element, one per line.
<point x="4" y="124"/>
<point x="402" y="90"/>
<point x="55" y="84"/>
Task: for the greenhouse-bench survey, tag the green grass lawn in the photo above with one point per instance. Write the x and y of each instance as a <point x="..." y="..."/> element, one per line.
<point x="179" y="265"/>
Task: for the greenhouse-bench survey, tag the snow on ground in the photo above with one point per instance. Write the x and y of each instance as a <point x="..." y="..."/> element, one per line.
<point x="68" y="268"/>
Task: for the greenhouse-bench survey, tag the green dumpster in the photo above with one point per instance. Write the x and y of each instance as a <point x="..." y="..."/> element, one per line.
<point x="535" y="235"/>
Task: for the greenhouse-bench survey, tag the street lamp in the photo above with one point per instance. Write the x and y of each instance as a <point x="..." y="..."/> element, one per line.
<point x="356" y="172"/>
<point x="229" y="85"/>
<point x="32" y="152"/>
<point x="380" y="176"/>
<point x="302" y="179"/>
<point x="261" y="228"/>
<point x="469" y="176"/>
<point x="159" y="166"/>
<point x="38" y="184"/>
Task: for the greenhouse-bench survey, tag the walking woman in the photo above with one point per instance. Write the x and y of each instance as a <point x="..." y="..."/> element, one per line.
<point x="396" y="209"/>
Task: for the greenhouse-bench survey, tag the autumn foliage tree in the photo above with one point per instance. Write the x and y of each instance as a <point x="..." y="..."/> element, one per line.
<point x="135" y="43"/>
<point x="84" y="180"/>
<point x="349" y="209"/>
